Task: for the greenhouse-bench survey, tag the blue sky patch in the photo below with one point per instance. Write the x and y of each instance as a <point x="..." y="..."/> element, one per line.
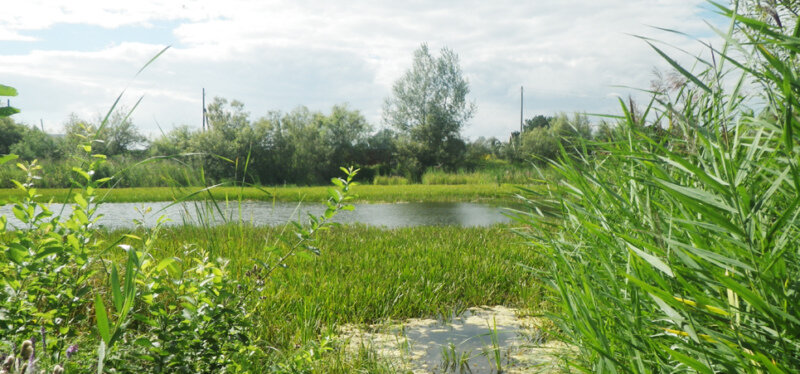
<point x="87" y="38"/>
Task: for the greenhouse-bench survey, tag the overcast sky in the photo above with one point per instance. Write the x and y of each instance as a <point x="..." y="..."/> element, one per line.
<point x="570" y="55"/>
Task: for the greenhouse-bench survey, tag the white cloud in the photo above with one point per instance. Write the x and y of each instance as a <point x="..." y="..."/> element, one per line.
<point x="569" y="55"/>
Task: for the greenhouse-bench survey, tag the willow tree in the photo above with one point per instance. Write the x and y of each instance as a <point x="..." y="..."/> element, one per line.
<point x="429" y="107"/>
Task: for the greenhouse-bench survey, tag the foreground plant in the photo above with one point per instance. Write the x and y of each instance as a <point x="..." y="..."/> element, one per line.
<point x="679" y="248"/>
<point x="166" y="315"/>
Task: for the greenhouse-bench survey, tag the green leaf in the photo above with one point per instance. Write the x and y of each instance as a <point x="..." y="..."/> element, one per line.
<point x="7" y="158"/>
<point x="689" y="361"/>
<point x="48" y="252"/>
<point x="84" y="174"/>
<point x="653" y="260"/>
<point x="7" y="91"/>
<point x="102" y="319"/>
<point x="697" y="194"/>
<point x="7" y="111"/>
<point x="167" y="262"/>
<point x="17" y="253"/>
<point x="334" y="194"/>
<point x="153" y="59"/>
<point x="115" y="290"/>
<point x="681" y="70"/>
<point x="755" y="300"/>
<point x="80" y="201"/>
<point x="20" y="214"/>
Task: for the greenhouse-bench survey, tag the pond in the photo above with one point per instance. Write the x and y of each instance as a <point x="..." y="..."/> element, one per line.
<point x="478" y="340"/>
<point x="121" y="215"/>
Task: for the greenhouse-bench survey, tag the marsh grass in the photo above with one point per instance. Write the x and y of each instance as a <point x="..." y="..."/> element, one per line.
<point x="366" y="275"/>
<point x="158" y="172"/>
<point x="508" y="174"/>
<point x="389" y="180"/>
<point x="679" y="251"/>
<point x="363" y="193"/>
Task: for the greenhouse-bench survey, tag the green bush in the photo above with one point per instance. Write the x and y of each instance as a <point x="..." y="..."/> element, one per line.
<point x="679" y="248"/>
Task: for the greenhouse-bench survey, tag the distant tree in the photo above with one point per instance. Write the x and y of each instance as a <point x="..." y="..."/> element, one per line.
<point x="309" y="155"/>
<point x="542" y="143"/>
<point x="36" y="144"/>
<point x="483" y="149"/>
<point x="380" y="148"/>
<point x="428" y="108"/>
<point x="536" y="122"/>
<point x="178" y="140"/>
<point x="228" y="118"/>
<point x="539" y="143"/>
<point x="10" y="133"/>
<point x="76" y="130"/>
<point x="118" y="136"/>
<point x="345" y="132"/>
<point x="274" y="150"/>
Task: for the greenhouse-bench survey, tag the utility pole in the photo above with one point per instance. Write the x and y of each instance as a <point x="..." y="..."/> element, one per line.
<point x="520" y="110"/>
<point x="204" y="109"/>
<point x="41" y="123"/>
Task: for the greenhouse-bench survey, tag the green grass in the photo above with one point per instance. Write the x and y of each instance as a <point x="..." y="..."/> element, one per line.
<point x="391" y="180"/>
<point x="517" y="175"/>
<point x="365" y="193"/>
<point x="491" y="172"/>
<point x="366" y="274"/>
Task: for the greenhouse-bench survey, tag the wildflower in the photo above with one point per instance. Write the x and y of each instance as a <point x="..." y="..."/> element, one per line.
<point x="58" y="369"/>
<point x="71" y="350"/>
<point x="30" y="366"/>
<point x="44" y="339"/>
<point x="27" y="350"/>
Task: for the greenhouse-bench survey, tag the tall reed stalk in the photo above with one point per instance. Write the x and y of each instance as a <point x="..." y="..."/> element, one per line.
<point x="678" y="250"/>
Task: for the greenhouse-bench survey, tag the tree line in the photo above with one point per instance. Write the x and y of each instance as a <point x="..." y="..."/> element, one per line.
<point x="423" y="122"/>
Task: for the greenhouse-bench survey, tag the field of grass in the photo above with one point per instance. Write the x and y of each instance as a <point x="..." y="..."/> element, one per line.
<point x="366" y="275"/>
<point x="364" y="193"/>
<point x="489" y="175"/>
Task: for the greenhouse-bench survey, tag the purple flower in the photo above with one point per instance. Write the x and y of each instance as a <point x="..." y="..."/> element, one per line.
<point x="71" y="350"/>
<point x="44" y="338"/>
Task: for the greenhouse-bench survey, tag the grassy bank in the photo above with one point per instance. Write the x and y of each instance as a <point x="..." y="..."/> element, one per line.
<point x="364" y="275"/>
<point x="364" y="193"/>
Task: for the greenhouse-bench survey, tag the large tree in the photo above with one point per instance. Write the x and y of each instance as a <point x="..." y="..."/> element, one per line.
<point x="118" y="136"/>
<point x="429" y="108"/>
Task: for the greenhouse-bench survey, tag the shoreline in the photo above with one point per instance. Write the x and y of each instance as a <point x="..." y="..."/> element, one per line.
<point x="483" y="193"/>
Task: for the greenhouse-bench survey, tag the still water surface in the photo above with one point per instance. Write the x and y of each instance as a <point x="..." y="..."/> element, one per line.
<point x="121" y="215"/>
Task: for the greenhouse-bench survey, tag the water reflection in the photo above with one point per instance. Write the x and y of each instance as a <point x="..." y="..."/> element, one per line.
<point x="479" y="340"/>
<point x="121" y="215"/>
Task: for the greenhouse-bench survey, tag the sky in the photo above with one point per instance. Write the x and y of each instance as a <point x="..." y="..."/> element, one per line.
<point x="571" y="55"/>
